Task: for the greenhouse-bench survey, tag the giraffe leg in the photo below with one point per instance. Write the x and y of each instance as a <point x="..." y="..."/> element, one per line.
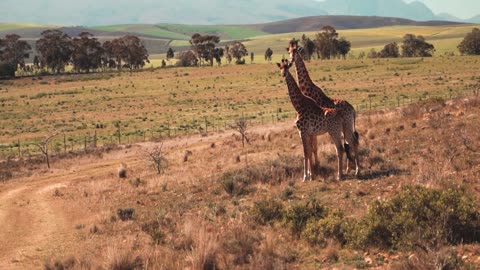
<point x="337" y="140"/>
<point x="315" y="149"/>
<point x="307" y="156"/>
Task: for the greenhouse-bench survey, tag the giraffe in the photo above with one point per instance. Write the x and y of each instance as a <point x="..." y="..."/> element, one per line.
<point x="344" y="109"/>
<point x="312" y="120"/>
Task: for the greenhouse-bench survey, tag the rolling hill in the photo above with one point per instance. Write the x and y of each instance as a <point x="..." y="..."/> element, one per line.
<point x="158" y="37"/>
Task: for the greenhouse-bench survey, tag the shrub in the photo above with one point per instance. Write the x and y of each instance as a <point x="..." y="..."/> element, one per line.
<point x="126" y="214"/>
<point x="416" y="216"/>
<point x="298" y="215"/>
<point x="267" y="211"/>
<point x="236" y="182"/>
<point x="275" y="171"/>
<point x="333" y="225"/>
<point x="240" y="243"/>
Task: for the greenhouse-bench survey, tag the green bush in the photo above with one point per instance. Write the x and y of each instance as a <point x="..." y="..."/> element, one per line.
<point x="267" y="211"/>
<point x="419" y="216"/>
<point x="298" y="215"/>
<point x="332" y="226"/>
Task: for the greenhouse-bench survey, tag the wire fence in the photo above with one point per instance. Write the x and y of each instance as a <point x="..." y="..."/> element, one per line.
<point x="98" y="138"/>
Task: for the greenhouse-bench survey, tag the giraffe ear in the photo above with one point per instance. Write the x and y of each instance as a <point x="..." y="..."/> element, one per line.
<point x="290" y="64"/>
<point x="278" y="65"/>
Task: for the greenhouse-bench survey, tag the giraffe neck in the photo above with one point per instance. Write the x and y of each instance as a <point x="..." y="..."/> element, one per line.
<point x="306" y="84"/>
<point x="296" y="97"/>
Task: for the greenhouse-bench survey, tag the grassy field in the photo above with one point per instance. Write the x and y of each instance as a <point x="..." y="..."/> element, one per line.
<point x="444" y="38"/>
<point x="184" y="99"/>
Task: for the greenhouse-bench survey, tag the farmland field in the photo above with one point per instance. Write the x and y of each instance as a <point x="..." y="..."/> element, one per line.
<point x="183" y="99"/>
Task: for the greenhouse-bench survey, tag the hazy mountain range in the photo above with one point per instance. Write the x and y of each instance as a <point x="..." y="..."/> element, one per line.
<point x="105" y="12"/>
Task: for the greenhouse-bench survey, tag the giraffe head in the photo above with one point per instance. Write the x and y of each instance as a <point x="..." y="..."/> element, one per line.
<point x="284" y="66"/>
<point x="294" y="48"/>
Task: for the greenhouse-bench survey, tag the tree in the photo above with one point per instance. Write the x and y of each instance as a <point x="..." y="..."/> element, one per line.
<point x="268" y="55"/>
<point x="13" y="51"/>
<point x="87" y="52"/>
<point x="170" y="54"/>
<point x="390" y="50"/>
<point x="470" y="45"/>
<point x="36" y="61"/>
<point x="218" y="53"/>
<point x="343" y="47"/>
<point x="308" y="47"/>
<point x="416" y="46"/>
<point x="326" y="43"/>
<point x="204" y="47"/>
<point x="252" y="57"/>
<point x="156" y="157"/>
<point x="187" y="59"/>
<point x="55" y="48"/>
<point x="129" y="50"/>
<point x="43" y="147"/>
<point x="135" y="55"/>
<point x="227" y="53"/>
<point x="238" y="51"/>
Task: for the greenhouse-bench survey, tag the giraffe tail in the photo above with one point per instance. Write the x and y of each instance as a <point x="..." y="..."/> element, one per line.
<point x="347" y="151"/>
<point x="356" y="136"/>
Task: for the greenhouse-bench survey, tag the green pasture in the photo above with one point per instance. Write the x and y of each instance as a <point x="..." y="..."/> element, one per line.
<point x="444" y="38"/>
<point x="227" y="32"/>
<point x="185" y="100"/>
<point x="146" y="29"/>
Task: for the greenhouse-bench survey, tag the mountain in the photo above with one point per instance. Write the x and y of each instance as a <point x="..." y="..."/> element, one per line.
<point x="108" y="12"/>
<point x="207" y="12"/>
<point x="392" y="8"/>
<point x="475" y="19"/>
<point x="314" y="23"/>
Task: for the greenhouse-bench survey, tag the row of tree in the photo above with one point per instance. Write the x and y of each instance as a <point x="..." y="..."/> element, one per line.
<point x="326" y="45"/>
<point x="204" y="50"/>
<point x="56" y="50"/>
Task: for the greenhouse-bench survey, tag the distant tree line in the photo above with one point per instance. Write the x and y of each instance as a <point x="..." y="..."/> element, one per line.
<point x="204" y="51"/>
<point x="85" y="53"/>
<point x="326" y="45"/>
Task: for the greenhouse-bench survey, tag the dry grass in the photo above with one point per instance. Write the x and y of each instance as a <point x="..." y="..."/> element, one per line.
<point x="191" y="215"/>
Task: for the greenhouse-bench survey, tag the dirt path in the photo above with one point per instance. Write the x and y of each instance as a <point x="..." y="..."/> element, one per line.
<point x="34" y="227"/>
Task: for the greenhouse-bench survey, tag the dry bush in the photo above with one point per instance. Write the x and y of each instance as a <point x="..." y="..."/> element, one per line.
<point x="272" y="255"/>
<point x="441" y="259"/>
<point x="240" y="243"/>
<point x="122" y="260"/>
<point x="204" y="252"/>
<point x="70" y="263"/>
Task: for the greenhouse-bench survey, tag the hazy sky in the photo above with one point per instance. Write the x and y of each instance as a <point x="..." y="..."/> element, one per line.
<point x="464" y="9"/>
<point x="88" y="12"/>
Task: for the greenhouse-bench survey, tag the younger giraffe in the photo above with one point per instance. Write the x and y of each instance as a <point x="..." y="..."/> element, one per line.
<point x="345" y="110"/>
<point x="312" y="120"/>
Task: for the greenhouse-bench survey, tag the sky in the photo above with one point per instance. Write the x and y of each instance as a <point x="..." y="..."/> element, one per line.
<point x="463" y="9"/>
<point x="104" y="12"/>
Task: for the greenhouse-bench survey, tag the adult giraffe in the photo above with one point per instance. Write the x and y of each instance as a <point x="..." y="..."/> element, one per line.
<point x="312" y="120"/>
<point x="345" y="110"/>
